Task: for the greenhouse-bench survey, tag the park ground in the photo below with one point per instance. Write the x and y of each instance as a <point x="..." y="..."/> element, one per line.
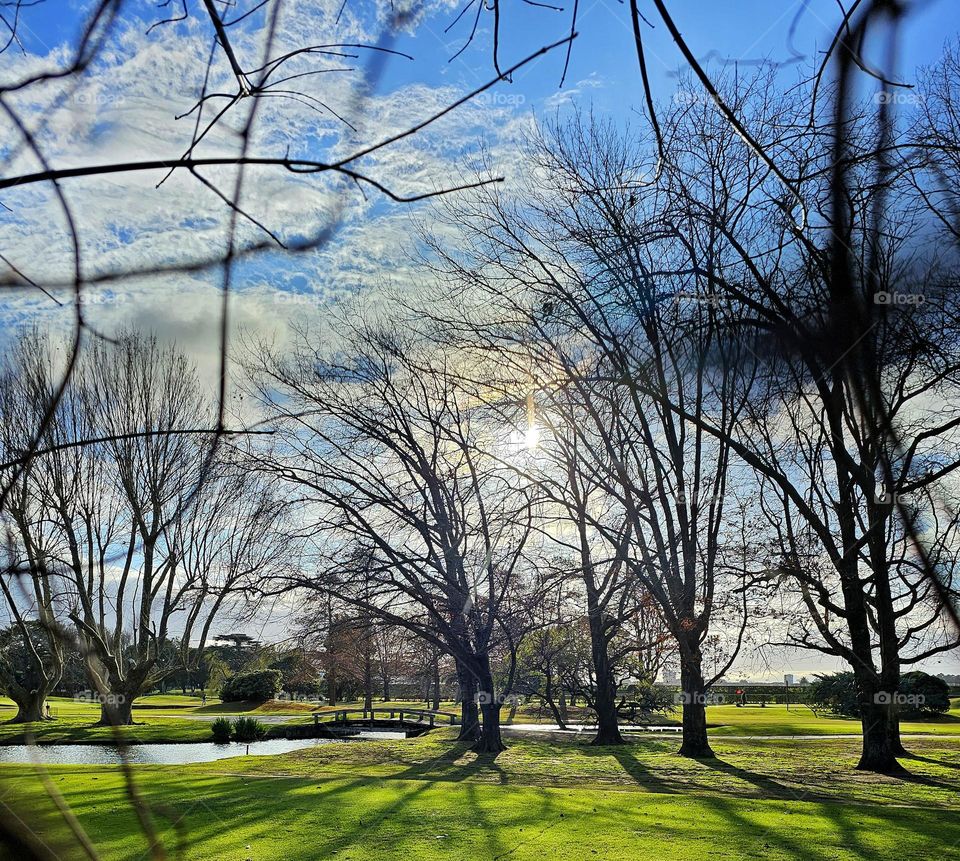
<point x="547" y="796"/>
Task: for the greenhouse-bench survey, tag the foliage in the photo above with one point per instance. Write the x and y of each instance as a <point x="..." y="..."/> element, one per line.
<point x="248" y="729"/>
<point x="300" y="673"/>
<point x="257" y="687"/>
<point x="923" y="694"/>
<point x="656" y="698"/>
<point x="836" y="693"/>
<point x="221" y="730"/>
<point x="919" y="695"/>
<point x="16" y="666"/>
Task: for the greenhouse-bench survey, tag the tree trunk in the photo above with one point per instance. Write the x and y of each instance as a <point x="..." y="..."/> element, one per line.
<point x="331" y="688"/>
<point x="694" y="699"/>
<point x="386" y="689"/>
<point x="605" y="705"/>
<point x="116" y="710"/>
<point x="367" y="682"/>
<point x="608" y="727"/>
<point x="490" y="740"/>
<point x="893" y="730"/>
<point x="890" y="685"/>
<point x="878" y="753"/>
<point x="559" y="712"/>
<point x="469" y="713"/>
<point x="436" y="680"/>
<point x="604" y="702"/>
<point x="30" y="706"/>
<point x="562" y="705"/>
<point x="558" y="715"/>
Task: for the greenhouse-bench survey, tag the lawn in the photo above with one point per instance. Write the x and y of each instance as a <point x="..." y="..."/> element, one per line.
<point x="159" y="718"/>
<point x="167" y="718"/>
<point x="800" y="720"/>
<point x="79" y="729"/>
<point x="429" y="798"/>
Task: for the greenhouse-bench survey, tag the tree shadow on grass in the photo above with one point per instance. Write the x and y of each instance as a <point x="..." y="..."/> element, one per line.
<point x="784" y="837"/>
<point x="449" y="767"/>
<point x="924" y="780"/>
<point x="939" y="762"/>
<point x="768" y="787"/>
<point x="626" y="756"/>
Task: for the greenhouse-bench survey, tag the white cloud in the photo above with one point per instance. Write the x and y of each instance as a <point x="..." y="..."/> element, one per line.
<point x="569" y="95"/>
<point x="123" y="110"/>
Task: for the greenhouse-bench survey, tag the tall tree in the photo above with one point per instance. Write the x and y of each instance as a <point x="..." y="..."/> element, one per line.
<point x="602" y="306"/>
<point x="384" y="448"/>
<point x="34" y="643"/>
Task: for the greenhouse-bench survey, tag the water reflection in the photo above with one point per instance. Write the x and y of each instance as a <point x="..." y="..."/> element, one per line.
<point x="165" y="754"/>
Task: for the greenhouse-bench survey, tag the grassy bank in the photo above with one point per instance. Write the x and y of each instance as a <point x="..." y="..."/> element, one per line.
<point x="429" y="798"/>
<point x="800" y="720"/>
<point x="169" y="718"/>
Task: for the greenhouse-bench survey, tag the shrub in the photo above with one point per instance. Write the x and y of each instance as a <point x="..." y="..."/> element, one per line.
<point x="835" y="693"/>
<point x="248" y="729"/>
<point x="257" y="687"/>
<point x="922" y="695"/>
<point x="919" y="695"/>
<point x="221" y="730"/>
<point x="647" y="700"/>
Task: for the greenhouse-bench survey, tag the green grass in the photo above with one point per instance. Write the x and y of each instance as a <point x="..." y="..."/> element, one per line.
<point x="809" y="768"/>
<point x="171" y="701"/>
<point x="165" y="718"/>
<point x="800" y="720"/>
<point x="69" y="707"/>
<point x="149" y="729"/>
<point x="429" y="798"/>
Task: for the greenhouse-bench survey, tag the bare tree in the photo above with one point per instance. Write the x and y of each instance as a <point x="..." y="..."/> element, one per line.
<point x="29" y="580"/>
<point x="134" y="546"/>
<point x="606" y="314"/>
<point x="386" y="451"/>
<point x="834" y="424"/>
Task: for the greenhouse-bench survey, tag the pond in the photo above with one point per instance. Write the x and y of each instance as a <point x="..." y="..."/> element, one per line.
<point x="165" y="754"/>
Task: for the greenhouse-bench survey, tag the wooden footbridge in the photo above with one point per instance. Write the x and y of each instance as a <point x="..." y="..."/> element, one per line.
<point x="412" y="720"/>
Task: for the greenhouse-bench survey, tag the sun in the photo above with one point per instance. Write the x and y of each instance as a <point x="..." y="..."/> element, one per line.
<point x="531" y="437"/>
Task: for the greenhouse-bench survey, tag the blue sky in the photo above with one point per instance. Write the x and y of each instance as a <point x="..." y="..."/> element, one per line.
<point x="717" y="30"/>
<point x="124" y="109"/>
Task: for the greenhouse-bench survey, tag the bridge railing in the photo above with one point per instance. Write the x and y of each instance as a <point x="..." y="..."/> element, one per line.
<point x="423" y="717"/>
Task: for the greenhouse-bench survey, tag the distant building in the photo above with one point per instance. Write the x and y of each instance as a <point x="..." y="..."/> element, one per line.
<point x="788" y="678"/>
<point x="670" y="676"/>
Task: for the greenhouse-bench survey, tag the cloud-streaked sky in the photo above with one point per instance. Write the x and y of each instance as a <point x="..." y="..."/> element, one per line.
<point x="125" y="108"/>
